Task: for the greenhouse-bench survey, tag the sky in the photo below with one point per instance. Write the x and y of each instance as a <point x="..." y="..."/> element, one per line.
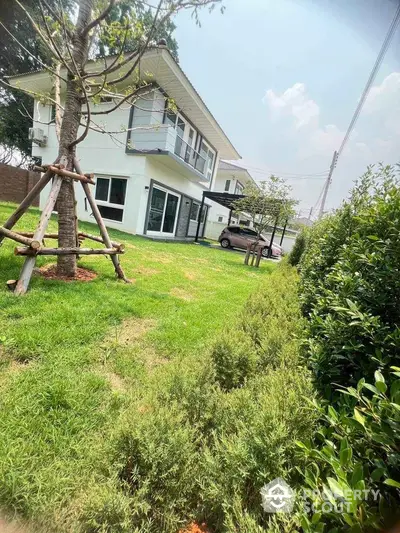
<point x="283" y="79"/>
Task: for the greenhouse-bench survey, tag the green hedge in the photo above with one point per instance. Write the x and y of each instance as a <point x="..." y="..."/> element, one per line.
<point x="350" y="295"/>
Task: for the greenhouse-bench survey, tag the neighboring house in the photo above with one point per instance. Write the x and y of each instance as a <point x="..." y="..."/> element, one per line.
<point x="149" y="180"/>
<point x="230" y="178"/>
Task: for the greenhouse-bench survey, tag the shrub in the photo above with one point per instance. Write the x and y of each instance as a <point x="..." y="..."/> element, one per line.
<point x="257" y="428"/>
<point x="350" y="285"/>
<point x="158" y="452"/>
<point x="350" y="294"/>
<point x="298" y="249"/>
<point x="235" y="359"/>
<point x="357" y="452"/>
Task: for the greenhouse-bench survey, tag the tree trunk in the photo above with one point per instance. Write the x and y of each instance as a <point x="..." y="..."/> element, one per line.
<point x="66" y="265"/>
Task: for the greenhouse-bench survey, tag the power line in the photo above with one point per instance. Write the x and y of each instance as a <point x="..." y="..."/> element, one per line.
<point x="371" y="78"/>
<point x="367" y="88"/>
<point x="266" y="171"/>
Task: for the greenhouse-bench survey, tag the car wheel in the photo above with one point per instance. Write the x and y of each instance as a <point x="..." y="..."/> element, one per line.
<point x="225" y="243"/>
<point x="264" y="252"/>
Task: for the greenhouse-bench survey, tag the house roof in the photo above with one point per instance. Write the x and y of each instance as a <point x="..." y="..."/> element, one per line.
<point x="224" y="165"/>
<point x="159" y="66"/>
<point x="233" y="167"/>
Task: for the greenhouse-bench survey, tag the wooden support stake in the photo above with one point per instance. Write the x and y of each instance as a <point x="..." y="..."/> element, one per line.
<point x="259" y="253"/>
<point x="20" y="238"/>
<point x="73" y="175"/>
<point x="27" y="269"/>
<point x="247" y="256"/>
<point x="11" y="284"/>
<point x="27" y="201"/>
<point x="66" y="251"/>
<point x="31" y="234"/>
<point x="117" y="245"/>
<point x="102" y="227"/>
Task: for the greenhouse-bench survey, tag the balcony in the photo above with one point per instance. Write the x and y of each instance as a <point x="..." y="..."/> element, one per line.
<point x="164" y="141"/>
<point x="190" y="156"/>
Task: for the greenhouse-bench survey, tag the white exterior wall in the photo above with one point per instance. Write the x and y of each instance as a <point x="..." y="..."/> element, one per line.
<point x="103" y="156"/>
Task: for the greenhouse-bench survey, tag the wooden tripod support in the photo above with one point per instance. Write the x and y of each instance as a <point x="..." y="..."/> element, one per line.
<point x="34" y="241"/>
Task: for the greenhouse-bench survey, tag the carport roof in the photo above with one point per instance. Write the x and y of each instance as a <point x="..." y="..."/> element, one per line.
<point x="223" y="198"/>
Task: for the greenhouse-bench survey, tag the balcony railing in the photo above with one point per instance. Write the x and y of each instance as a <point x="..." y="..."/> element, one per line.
<point x="190" y="156"/>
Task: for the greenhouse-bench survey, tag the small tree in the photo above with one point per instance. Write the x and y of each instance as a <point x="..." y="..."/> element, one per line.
<point x="268" y="204"/>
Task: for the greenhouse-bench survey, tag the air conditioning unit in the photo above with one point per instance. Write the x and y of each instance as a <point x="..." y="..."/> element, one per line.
<point x="37" y="136"/>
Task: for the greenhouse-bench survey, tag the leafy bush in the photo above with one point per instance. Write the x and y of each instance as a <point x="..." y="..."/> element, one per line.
<point x="268" y="324"/>
<point x="357" y="452"/>
<point x="298" y="249"/>
<point x="350" y="285"/>
<point x="158" y="453"/>
<point x="350" y="294"/>
<point x="210" y="431"/>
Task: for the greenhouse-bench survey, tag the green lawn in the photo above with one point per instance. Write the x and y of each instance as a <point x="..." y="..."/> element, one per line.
<point x="75" y="356"/>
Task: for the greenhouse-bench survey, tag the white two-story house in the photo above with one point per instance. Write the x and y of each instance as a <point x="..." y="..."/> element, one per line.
<point x="230" y="178"/>
<point x="151" y="172"/>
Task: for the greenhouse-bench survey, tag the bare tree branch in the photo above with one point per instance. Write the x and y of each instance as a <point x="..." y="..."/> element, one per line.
<point x="95" y="22"/>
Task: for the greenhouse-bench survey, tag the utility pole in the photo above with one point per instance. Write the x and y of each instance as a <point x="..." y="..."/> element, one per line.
<point x="327" y="183"/>
<point x="310" y="214"/>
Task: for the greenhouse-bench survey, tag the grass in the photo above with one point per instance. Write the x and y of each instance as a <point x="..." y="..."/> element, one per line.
<point x="75" y="356"/>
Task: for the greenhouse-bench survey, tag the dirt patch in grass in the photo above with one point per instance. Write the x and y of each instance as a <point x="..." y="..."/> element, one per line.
<point x="164" y="258"/>
<point x="12" y="527"/>
<point x="132" y="329"/>
<point x="82" y="274"/>
<point x="181" y="294"/>
<point x="117" y="384"/>
<point x="189" y="275"/>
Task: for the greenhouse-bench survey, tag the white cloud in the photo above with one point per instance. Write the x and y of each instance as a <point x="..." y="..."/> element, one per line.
<point x="385" y="96"/>
<point x="294" y="101"/>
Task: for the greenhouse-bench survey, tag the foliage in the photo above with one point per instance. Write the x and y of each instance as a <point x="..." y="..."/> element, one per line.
<point x="67" y="393"/>
<point x="298" y="249"/>
<point x="126" y="10"/>
<point x="16" y="107"/>
<point x="350" y="294"/>
<point x="267" y="202"/>
<point x="350" y="284"/>
<point x="356" y="450"/>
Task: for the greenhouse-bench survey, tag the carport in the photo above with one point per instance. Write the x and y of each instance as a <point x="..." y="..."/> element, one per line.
<point x="228" y="200"/>
<point x="223" y="198"/>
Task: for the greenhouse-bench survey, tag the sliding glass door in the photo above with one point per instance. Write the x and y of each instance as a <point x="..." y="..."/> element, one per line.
<point x="163" y="212"/>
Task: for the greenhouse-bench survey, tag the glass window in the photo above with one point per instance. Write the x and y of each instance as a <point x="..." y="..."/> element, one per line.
<point x="238" y="188"/>
<point x="220" y="219"/>
<point x="234" y="229"/>
<point x="227" y="185"/>
<point x="118" y="190"/>
<point x="170" y="213"/>
<point x="194" y="211"/>
<point x="248" y="232"/>
<point x="156" y="209"/>
<point x="111" y="191"/>
<point x="112" y="213"/>
<point x="102" y="185"/>
<point x="170" y="118"/>
<point x="203" y="215"/>
<point x="180" y="127"/>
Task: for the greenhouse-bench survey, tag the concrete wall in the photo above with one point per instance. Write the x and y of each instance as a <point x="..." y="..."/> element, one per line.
<point x="15" y="183"/>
